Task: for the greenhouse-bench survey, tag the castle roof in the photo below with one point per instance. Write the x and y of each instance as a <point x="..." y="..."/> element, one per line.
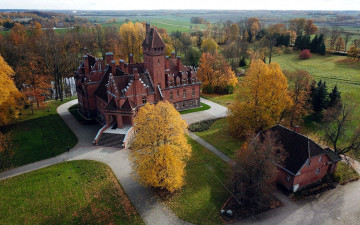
<point x="153" y="39"/>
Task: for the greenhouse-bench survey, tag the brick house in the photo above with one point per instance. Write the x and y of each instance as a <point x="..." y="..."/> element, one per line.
<point x="112" y="92"/>
<point x="306" y="162"/>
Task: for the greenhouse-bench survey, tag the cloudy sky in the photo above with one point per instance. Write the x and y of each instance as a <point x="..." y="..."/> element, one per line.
<point x="182" y="4"/>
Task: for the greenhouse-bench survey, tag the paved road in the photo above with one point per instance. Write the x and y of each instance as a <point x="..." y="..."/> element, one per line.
<point x="216" y="111"/>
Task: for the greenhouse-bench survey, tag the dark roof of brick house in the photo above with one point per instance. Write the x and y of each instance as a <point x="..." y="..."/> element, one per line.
<point x="154" y="40"/>
<point x="334" y="157"/>
<point x="299" y="148"/>
<point x="112" y="105"/>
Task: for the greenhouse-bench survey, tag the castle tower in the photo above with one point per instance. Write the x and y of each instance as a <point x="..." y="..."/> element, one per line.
<point x="154" y="56"/>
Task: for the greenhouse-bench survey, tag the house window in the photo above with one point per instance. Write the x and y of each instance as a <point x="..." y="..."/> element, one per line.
<point x="171" y="96"/>
<point x="317" y="171"/>
<point x="288" y="178"/>
<point x="178" y="94"/>
<point x="193" y="92"/>
<point x="184" y="93"/>
<point x="144" y="100"/>
<point x="320" y="158"/>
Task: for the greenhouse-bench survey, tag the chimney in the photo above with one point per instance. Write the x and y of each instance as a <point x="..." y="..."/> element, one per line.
<point x="178" y="63"/>
<point x="167" y="62"/>
<point x="121" y="63"/>
<point x="109" y="56"/>
<point x="297" y="129"/>
<point x="126" y="68"/>
<point x="113" y="67"/>
<point x="136" y="74"/>
<point x="86" y="64"/>
<point x="147" y="32"/>
<point x="131" y="59"/>
<point x="173" y="55"/>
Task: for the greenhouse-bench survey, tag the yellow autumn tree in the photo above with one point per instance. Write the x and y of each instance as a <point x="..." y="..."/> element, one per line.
<point x="209" y="45"/>
<point x="260" y="99"/>
<point x="9" y="94"/>
<point x="132" y="36"/>
<point x="159" y="149"/>
<point x="216" y="74"/>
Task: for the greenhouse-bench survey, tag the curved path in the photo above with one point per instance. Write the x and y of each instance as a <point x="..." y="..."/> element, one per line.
<point x="149" y="207"/>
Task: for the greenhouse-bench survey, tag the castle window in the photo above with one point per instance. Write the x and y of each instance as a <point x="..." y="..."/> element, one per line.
<point x="158" y="61"/>
<point x="184" y="93"/>
<point x="144" y="100"/>
<point x="320" y="158"/>
<point x="178" y="94"/>
<point x="317" y="171"/>
<point x="171" y="96"/>
<point x="193" y="92"/>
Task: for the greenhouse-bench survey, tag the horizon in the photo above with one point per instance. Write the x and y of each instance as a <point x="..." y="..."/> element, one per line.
<point x="112" y="5"/>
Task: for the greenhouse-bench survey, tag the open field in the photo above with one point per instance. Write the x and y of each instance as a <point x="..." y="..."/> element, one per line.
<point x="40" y="135"/>
<point x="76" y="192"/>
<point x="340" y="70"/>
<point x="345" y="173"/>
<point x="200" y="200"/>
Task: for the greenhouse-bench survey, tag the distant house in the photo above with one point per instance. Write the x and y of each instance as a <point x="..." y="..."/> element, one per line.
<point x="306" y="162"/>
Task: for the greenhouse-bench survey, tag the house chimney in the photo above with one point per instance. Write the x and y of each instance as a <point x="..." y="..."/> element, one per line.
<point x="113" y="67"/>
<point x="297" y="129"/>
<point x="109" y="56"/>
<point x="167" y="62"/>
<point x="131" y="59"/>
<point x="86" y="64"/>
<point x="178" y="63"/>
<point x="147" y="32"/>
<point x="121" y="63"/>
<point x="173" y="55"/>
<point x="136" y="74"/>
<point x="126" y="68"/>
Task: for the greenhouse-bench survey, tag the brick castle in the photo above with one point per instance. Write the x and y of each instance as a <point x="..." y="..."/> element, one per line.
<point x="112" y="92"/>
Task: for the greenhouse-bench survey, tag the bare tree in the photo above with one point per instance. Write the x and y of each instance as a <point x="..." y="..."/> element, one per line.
<point x="255" y="169"/>
<point x="347" y="38"/>
<point x="337" y="126"/>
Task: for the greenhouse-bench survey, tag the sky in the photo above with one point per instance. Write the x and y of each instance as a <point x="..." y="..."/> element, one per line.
<point x="182" y="4"/>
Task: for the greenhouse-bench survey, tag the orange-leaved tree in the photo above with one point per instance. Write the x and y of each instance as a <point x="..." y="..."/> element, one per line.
<point x="216" y="74"/>
<point x="159" y="149"/>
<point x="260" y="99"/>
<point x="132" y="36"/>
<point x="9" y="94"/>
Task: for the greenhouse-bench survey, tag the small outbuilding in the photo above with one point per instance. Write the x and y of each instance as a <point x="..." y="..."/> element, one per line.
<point x="306" y="162"/>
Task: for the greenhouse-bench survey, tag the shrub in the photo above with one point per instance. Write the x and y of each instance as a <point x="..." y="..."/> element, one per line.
<point x="208" y="89"/>
<point x="305" y="54"/>
<point x="201" y="126"/>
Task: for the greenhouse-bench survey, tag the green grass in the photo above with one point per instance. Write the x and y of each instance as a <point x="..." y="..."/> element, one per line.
<point x="224" y="100"/>
<point x="345" y="173"/>
<point x="200" y="200"/>
<point x="201" y="108"/>
<point x="219" y="137"/>
<point x="40" y="135"/>
<point x="76" y="192"/>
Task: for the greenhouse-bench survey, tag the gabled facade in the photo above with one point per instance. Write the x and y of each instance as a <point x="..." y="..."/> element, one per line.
<point x="306" y="162"/>
<point x="112" y="92"/>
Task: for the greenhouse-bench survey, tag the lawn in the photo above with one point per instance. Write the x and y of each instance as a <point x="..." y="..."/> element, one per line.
<point x="200" y="200"/>
<point x="219" y="137"/>
<point x="224" y="100"/>
<point x="40" y="135"/>
<point x="201" y="108"/>
<point x="345" y="173"/>
<point x="76" y="192"/>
